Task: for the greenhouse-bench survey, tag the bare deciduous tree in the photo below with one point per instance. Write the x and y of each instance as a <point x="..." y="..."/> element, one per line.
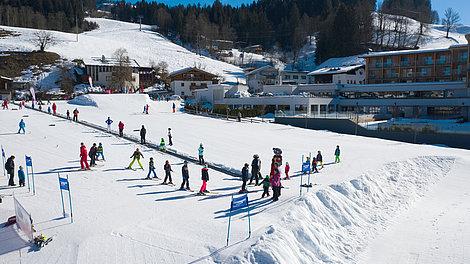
<point x="43" y="39"/>
<point x="451" y="18"/>
<point x="122" y="71"/>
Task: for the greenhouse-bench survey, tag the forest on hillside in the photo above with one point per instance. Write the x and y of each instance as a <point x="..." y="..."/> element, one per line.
<point x="341" y="27"/>
<point x="61" y="15"/>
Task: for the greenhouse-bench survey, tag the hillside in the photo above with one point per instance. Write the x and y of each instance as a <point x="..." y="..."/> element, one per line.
<point x="144" y="46"/>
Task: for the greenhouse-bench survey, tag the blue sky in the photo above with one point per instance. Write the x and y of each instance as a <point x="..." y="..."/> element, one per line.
<point x="462" y="6"/>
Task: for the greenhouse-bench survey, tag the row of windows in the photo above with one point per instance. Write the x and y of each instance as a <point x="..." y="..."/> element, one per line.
<point x="295" y="77"/>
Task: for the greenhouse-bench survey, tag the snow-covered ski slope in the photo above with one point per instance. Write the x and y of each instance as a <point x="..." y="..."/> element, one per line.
<point x="143" y="46"/>
<point x="380" y="189"/>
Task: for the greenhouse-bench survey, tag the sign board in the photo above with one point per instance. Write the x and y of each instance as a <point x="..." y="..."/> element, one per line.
<point x="64" y="184"/>
<point x="23" y="219"/>
<point x="239" y="202"/>
<point x="306" y="167"/>
<point x="29" y="161"/>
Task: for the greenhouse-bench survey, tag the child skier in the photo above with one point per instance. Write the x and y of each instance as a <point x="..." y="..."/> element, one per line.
<point x="109" y="122"/>
<point x="83" y="157"/>
<point x="151" y="169"/>
<point x="205" y="179"/>
<point x="143" y="132"/>
<point x="185" y="173"/>
<point x="93" y="153"/>
<point x="99" y="152"/>
<point x="136" y="157"/>
<point x="68" y="114"/>
<point x="121" y="128"/>
<point x="168" y="170"/>
<point x="22" y="125"/>
<point x="266" y="184"/>
<point x="276" y="184"/>
<point x="174" y="107"/>
<point x="49" y="109"/>
<point x="200" y="151"/>
<point x="162" y="145"/>
<point x="337" y="153"/>
<point x="170" y="141"/>
<point x="244" y="178"/>
<point x="21" y="176"/>
<point x="320" y="159"/>
<point x="314" y="165"/>
<point x="286" y="170"/>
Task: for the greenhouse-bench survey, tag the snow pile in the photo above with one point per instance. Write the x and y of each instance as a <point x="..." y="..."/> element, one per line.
<point x="334" y="224"/>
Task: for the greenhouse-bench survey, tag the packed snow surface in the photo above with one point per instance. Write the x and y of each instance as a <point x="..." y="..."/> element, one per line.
<point x="121" y="218"/>
<point x="144" y="46"/>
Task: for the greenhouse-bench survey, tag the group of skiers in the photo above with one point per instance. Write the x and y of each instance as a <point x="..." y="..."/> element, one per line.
<point x="94" y="154"/>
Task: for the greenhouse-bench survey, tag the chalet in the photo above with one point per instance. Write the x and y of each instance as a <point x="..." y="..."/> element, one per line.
<point x="186" y="81"/>
<point x="266" y="75"/>
<point x="354" y="74"/>
<point x="100" y="69"/>
<point x="5" y="88"/>
<point x="293" y="77"/>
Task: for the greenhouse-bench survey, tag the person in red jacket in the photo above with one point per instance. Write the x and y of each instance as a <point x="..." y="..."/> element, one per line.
<point x="286" y="170"/>
<point x="121" y="128"/>
<point x="54" y="109"/>
<point x="83" y="157"/>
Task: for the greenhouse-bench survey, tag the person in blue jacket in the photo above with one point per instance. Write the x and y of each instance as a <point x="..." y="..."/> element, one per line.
<point x="109" y="122"/>
<point x="21" y="176"/>
<point x="200" y="151"/>
<point x="22" y="125"/>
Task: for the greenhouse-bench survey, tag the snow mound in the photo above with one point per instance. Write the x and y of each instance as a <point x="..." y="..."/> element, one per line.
<point x="333" y="224"/>
<point x="106" y="101"/>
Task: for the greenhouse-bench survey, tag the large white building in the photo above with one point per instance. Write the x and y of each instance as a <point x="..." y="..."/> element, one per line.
<point x="266" y="75"/>
<point x="100" y="69"/>
<point x="354" y="74"/>
<point x="187" y="81"/>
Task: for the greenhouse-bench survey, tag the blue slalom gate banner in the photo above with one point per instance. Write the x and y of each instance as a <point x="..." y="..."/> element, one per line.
<point x="306" y="167"/>
<point x="3" y="163"/>
<point x="29" y="169"/>
<point x="65" y="186"/>
<point x="236" y="204"/>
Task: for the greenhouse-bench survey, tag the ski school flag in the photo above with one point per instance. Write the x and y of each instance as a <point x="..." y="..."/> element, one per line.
<point x="306" y="167"/>
<point x="64" y="184"/>
<point x="239" y="202"/>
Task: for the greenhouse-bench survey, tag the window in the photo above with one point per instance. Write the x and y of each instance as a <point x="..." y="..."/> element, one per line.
<point x="424" y="72"/>
<point x="182" y="84"/>
<point x="304" y="77"/>
<point x="182" y="93"/>
<point x="405" y="61"/>
<point x="388" y="62"/>
<point x="287" y="77"/>
<point x="296" y="77"/>
<point x="428" y="60"/>
<point x="447" y="71"/>
<point x="442" y="59"/>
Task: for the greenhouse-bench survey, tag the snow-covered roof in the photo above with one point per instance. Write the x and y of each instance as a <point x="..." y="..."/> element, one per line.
<point x="188" y="69"/>
<point x="6" y="78"/>
<point x="402" y="52"/>
<point x="260" y="69"/>
<point x="335" y="70"/>
<point x="104" y="61"/>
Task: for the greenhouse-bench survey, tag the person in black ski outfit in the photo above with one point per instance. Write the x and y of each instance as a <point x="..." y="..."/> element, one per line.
<point x="320" y="159"/>
<point x="170" y="141"/>
<point x="185" y="173"/>
<point x="255" y="169"/>
<point x="244" y="178"/>
<point x="10" y="168"/>
<point x="168" y="170"/>
<point x="92" y="155"/>
<point x="143" y="132"/>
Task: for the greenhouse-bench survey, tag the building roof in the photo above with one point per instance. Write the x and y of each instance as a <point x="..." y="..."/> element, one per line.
<point x="6" y="78"/>
<point x="402" y="52"/>
<point x="335" y="70"/>
<point x="104" y="61"/>
<point x="180" y="71"/>
<point x="260" y="69"/>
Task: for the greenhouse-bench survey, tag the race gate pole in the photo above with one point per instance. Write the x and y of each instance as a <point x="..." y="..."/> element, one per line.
<point x="70" y="201"/>
<point x="229" y="219"/>
<point x="61" y="196"/>
<point x="249" y="217"/>
<point x="27" y="179"/>
<point x="32" y="177"/>
<point x="301" y="175"/>
<point x="3" y="163"/>
<point x="309" y="171"/>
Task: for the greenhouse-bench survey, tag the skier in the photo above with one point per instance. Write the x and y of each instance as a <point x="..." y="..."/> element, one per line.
<point x="5" y="104"/>
<point x="21" y="176"/>
<point x="143" y="132"/>
<point x="151" y="169"/>
<point x="276" y="184"/>
<point x="146" y="109"/>
<point x="10" y="168"/>
<point x="54" y="109"/>
<point x="205" y="179"/>
<point x="168" y="170"/>
<point x="99" y="152"/>
<point x="266" y="184"/>
<point x="162" y="145"/>
<point x="244" y="178"/>
<point x="239" y="117"/>
<point x="109" y="122"/>
<point x="286" y="170"/>
<point x="255" y="169"/>
<point x="22" y="125"/>
<point x="314" y="165"/>
<point x="68" y="114"/>
<point x="170" y="141"/>
<point x="121" y="128"/>
<point x="337" y="153"/>
<point x="185" y="173"/>
<point x="49" y="109"/>
<point x="92" y="154"/>
<point x="200" y="151"/>
<point x="75" y="115"/>
<point x="320" y="159"/>
<point x="83" y="157"/>
<point x="136" y="156"/>
<point x="174" y="108"/>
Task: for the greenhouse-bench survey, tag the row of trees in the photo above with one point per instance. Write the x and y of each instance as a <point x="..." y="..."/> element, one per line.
<point x="62" y="15"/>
